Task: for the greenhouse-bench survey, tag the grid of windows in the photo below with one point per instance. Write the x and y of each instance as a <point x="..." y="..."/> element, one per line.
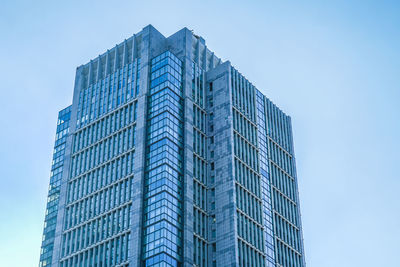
<point x="279" y="126"/>
<point x="243" y="95"/>
<point x="54" y="188"/>
<point x="286" y="216"/>
<point x="198" y="85"/>
<point x="247" y="178"/>
<point x="162" y="220"/>
<point x="110" y="252"/>
<point x="97" y="145"/>
<point x="201" y="191"/>
<point x="108" y="93"/>
<point x="269" y="248"/>
<point x="264" y="148"/>
<point x="256" y="189"/>
<point x="97" y="212"/>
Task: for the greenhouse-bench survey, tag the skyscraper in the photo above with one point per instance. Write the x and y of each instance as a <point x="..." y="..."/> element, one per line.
<point x="170" y="157"/>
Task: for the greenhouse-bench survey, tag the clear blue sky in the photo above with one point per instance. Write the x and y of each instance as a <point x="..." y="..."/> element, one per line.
<point x="334" y="67"/>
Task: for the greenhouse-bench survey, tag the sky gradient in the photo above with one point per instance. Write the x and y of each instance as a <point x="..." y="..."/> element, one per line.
<point x="333" y="67"/>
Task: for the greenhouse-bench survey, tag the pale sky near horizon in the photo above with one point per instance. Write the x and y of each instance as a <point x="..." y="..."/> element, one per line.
<point x="333" y="67"/>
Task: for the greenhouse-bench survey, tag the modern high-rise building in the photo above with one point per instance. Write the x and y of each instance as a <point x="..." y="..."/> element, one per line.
<point x="170" y="157"/>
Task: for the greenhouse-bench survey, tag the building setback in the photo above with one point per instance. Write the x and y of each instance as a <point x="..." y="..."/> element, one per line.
<point x="170" y="157"/>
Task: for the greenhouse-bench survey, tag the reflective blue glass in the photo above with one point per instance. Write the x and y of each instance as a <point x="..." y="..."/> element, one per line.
<point x="269" y="248"/>
<point x="54" y="188"/>
<point x="162" y="227"/>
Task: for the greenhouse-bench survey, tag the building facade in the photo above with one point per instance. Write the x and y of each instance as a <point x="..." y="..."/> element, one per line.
<point x="170" y="157"/>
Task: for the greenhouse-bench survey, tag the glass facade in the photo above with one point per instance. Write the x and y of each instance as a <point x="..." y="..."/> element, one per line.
<point x="248" y="182"/>
<point x="162" y="213"/>
<point x="275" y="178"/>
<point x="172" y="158"/>
<point x="98" y="202"/>
<point x="265" y="182"/>
<point x="273" y="191"/>
<point x="50" y="220"/>
<point x="203" y="216"/>
<point x="286" y="212"/>
<point x="107" y="93"/>
<point x="96" y="230"/>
